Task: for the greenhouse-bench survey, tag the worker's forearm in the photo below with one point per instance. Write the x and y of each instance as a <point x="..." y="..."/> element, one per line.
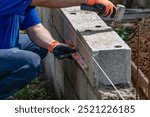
<point x="57" y="3"/>
<point x="40" y="36"/>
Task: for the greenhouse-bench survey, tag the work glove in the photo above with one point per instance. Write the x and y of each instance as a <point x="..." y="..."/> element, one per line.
<point x="104" y="7"/>
<point x="61" y="51"/>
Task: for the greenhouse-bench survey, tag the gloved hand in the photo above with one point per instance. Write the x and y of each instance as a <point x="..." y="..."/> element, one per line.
<point x="110" y="9"/>
<point x="60" y="50"/>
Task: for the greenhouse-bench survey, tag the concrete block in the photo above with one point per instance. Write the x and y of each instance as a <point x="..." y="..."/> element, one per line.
<point x="49" y="64"/>
<point x="116" y="64"/>
<point x="91" y="95"/>
<point x="70" y="93"/>
<point x="59" y="80"/>
<point x="58" y="22"/>
<point x="76" y="78"/>
<point x="104" y="46"/>
<point x="79" y="81"/>
<point x="46" y="17"/>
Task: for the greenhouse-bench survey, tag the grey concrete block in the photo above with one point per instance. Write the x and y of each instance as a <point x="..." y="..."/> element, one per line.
<point x="49" y="64"/>
<point x="103" y="45"/>
<point x="116" y="64"/>
<point x="46" y="17"/>
<point x="59" y="80"/>
<point x="91" y="95"/>
<point x="76" y="78"/>
<point x="79" y="82"/>
<point x="70" y="93"/>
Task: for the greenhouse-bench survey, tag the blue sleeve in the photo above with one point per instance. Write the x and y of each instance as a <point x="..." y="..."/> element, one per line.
<point x="30" y="18"/>
<point x="13" y="7"/>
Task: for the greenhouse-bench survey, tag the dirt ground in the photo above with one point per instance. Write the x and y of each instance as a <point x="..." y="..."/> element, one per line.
<point x="130" y="32"/>
<point x="144" y="37"/>
<point x="131" y="40"/>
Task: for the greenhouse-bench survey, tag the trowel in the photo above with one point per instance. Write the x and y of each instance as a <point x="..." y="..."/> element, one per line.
<point x="118" y="15"/>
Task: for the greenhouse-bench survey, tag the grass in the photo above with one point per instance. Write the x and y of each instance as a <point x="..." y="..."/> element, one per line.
<point x="125" y="33"/>
<point x="36" y="90"/>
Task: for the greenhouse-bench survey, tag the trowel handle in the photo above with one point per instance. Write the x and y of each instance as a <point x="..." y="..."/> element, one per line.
<point x="100" y="9"/>
<point x="88" y="8"/>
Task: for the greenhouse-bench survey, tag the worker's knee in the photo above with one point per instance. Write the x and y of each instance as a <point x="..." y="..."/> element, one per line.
<point x="13" y="59"/>
<point x="32" y="60"/>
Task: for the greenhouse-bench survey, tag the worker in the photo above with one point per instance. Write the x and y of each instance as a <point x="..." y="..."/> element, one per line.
<point x="20" y="58"/>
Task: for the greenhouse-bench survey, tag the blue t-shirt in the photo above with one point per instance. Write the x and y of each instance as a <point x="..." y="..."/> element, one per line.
<point x="15" y="15"/>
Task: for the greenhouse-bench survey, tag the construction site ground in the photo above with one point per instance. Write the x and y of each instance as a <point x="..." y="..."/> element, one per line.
<point x="129" y="33"/>
<point x="39" y="89"/>
<point x="131" y="40"/>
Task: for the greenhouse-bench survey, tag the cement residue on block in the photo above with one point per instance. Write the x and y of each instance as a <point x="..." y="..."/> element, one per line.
<point x="127" y="91"/>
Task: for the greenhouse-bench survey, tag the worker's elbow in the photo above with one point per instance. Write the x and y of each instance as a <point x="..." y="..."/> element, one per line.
<point x="35" y="28"/>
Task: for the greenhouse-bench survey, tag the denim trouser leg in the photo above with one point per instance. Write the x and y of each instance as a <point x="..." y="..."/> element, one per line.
<point x="18" y="66"/>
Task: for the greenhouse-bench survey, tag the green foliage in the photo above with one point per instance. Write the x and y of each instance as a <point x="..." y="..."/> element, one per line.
<point x="125" y="33"/>
<point x="34" y="91"/>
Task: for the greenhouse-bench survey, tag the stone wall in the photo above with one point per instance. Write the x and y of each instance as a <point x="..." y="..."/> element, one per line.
<point x="99" y="46"/>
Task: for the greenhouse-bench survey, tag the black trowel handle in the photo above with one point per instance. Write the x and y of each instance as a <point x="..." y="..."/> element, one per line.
<point x="98" y="8"/>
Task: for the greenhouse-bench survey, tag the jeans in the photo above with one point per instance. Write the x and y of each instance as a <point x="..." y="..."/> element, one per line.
<point x="19" y="66"/>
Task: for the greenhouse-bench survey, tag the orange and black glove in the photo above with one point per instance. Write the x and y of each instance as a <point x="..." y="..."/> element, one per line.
<point x="102" y="7"/>
<point x="61" y="51"/>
